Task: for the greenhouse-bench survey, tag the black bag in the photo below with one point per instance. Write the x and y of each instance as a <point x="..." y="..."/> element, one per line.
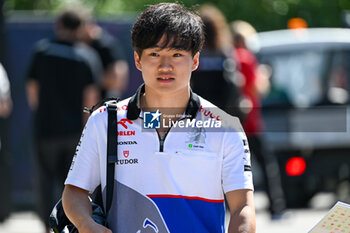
<point x="59" y="223"/>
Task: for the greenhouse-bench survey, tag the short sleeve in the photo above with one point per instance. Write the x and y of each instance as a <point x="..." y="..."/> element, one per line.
<point x="109" y="49"/>
<point x="33" y="67"/>
<point x="4" y="84"/>
<point x="34" y="64"/>
<point x="92" y="63"/>
<point x="85" y="168"/>
<point x="236" y="167"/>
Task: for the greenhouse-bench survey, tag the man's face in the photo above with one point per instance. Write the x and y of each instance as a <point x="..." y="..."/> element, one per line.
<point x="166" y="71"/>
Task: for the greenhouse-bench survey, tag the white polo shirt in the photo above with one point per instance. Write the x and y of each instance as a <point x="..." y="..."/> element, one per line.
<point x="175" y="184"/>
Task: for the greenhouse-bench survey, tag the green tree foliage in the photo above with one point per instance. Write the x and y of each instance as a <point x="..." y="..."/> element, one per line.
<point x="263" y="14"/>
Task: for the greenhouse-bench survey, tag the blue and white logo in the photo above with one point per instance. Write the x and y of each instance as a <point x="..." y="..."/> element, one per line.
<point x="151" y="120"/>
<point x="149" y="223"/>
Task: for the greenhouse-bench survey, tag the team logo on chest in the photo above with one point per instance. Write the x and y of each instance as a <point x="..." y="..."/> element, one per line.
<point x="126" y="153"/>
<point x="124" y="123"/>
<point x="196" y="138"/>
<point x="126" y="158"/>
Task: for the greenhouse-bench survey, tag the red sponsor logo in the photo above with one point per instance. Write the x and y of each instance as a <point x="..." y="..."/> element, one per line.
<point x="102" y="109"/>
<point x="126" y="153"/>
<point x="206" y="112"/>
<point x="124" y="121"/>
<point x="124" y="107"/>
<point x="126" y="133"/>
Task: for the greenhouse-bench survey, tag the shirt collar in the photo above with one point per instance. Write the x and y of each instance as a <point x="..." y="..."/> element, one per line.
<point x="134" y="108"/>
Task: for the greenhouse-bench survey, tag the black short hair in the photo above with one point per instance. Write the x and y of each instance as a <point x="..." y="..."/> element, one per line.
<point x="183" y="28"/>
<point x="73" y="16"/>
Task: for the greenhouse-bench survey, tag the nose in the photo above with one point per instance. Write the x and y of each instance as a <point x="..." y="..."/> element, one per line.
<point x="165" y="65"/>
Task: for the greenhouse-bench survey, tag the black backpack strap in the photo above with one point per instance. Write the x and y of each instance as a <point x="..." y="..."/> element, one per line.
<point x="102" y="102"/>
<point x="112" y="152"/>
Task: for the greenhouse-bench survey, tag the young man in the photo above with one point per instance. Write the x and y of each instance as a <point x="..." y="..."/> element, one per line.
<point x="169" y="179"/>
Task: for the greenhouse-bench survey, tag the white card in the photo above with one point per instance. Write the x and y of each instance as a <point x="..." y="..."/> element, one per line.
<point x="337" y="220"/>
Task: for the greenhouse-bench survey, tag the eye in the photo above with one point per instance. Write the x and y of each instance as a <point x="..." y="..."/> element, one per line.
<point x="177" y="55"/>
<point x="154" y="54"/>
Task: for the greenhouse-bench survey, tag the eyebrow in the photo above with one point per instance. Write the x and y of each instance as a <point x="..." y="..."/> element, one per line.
<point x="169" y="48"/>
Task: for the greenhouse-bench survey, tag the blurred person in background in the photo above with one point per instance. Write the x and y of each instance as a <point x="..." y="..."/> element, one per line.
<point x="116" y="69"/>
<point x="254" y="84"/>
<point x="5" y="111"/>
<point x="62" y="80"/>
<point x="215" y="79"/>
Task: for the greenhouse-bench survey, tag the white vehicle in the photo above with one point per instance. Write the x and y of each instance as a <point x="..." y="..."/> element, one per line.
<point x="306" y="112"/>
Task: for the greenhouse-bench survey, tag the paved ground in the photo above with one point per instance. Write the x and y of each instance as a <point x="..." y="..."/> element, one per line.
<point x="300" y="221"/>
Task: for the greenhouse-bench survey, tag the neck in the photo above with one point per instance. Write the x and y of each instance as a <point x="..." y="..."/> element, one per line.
<point x="174" y="103"/>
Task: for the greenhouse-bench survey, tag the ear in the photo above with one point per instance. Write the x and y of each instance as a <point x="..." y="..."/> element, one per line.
<point x="137" y="61"/>
<point x="195" y="61"/>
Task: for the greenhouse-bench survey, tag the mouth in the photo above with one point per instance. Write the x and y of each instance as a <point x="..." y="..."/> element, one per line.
<point x="165" y="78"/>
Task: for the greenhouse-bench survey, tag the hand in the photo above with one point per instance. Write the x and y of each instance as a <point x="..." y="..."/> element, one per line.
<point x="5" y="108"/>
<point x="93" y="227"/>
